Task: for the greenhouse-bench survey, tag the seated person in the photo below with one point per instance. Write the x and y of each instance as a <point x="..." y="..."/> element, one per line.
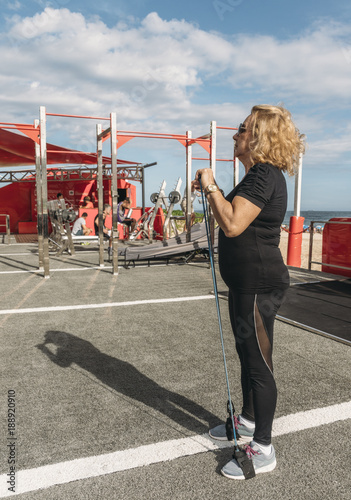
<point x="122" y="215"/>
<point x="105" y="230"/>
<point x="80" y="228"/>
<point x="87" y="203"/>
<point x="105" y="213"/>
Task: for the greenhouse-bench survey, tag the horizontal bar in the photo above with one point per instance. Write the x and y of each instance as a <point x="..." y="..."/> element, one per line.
<point x="128" y="132"/>
<point x="145" y="136"/>
<point x="329" y="222"/>
<point x="158" y="135"/>
<point x="67" y="151"/>
<point x="228" y="128"/>
<point x="78" y="116"/>
<point x="148" y="165"/>
<point x="331" y="265"/>
<point x="312" y="330"/>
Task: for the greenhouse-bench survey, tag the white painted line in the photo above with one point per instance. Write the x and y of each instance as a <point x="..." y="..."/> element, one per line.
<point x="69" y="269"/>
<point x="21" y="272"/>
<point x="84" y="468"/>
<point x="65" y="269"/>
<point x="52" y="271"/>
<point x="105" y="304"/>
<point x="17" y="254"/>
<point x="5" y="245"/>
<point x="311" y="418"/>
<point x="36" y="253"/>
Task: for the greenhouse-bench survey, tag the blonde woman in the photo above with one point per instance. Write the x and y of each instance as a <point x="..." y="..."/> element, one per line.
<point x="250" y="263"/>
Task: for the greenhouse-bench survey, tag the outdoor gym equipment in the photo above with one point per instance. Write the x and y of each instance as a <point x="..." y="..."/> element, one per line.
<point x="60" y="217"/>
<point x="142" y="226"/>
<point x="174" y="197"/>
<point x="61" y="238"/>
<point x="160" y="199"/>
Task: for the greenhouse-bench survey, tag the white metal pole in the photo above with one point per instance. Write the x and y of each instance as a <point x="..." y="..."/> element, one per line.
<point x="213" y="147"/>
<point x="44" y="190"/>
<point x="100" y="189"/>
<point x="38" y="186"/>
<point x="114" y="192"/>
<point x="188" y="185"/>
<point x="213" y="129"/>
<point x="298" y="182"/>
<point x="236" y="171"/>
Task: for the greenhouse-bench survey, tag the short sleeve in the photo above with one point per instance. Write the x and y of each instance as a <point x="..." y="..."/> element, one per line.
<point x="258" y="185"/>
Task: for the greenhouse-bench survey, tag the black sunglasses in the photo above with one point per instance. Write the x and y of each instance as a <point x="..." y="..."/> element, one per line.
<point x="241" y="128"/>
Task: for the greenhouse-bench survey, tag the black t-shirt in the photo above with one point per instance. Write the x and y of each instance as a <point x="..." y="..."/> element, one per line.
<point x="96" y="225"/>
<point x="252" y="262"/>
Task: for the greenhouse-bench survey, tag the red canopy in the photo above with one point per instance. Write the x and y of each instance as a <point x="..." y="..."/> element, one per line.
<point x="18" y="150"/>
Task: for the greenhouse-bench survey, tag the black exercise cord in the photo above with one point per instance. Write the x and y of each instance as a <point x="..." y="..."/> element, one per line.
<point x="244" y="462"/>
<point x="214" y="279"/>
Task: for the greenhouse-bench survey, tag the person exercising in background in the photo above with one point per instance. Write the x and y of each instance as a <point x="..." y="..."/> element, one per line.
<point x="122" y="215"/>
<point x="106" y="232"/>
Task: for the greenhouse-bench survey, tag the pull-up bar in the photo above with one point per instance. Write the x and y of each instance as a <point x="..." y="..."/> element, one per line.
<point x="147" y="134"/>
<point x="228" y="128"/>
<point x="157" y="135"/>
<point x="78" y="116"/>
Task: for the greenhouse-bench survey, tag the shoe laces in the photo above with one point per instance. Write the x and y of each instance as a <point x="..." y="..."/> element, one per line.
<point x="250" y="452"/>
<point x="236" y="422"/>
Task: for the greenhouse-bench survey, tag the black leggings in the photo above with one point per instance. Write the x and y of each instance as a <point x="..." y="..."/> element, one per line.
<point x="252" y="319"/>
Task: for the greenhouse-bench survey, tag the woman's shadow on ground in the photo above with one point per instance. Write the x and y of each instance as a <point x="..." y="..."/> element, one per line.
<point x="125" y="379"/>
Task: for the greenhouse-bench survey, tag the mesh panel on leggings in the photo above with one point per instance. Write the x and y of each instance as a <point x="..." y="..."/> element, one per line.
<point x="263" y="340"/>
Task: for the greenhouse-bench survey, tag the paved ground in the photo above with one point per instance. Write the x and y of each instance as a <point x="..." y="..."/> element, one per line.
<point x="117" y="380"/>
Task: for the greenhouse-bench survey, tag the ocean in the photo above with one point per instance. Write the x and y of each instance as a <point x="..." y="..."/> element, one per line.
<point x="315" y="215"/>
<point x="309" y="215"/>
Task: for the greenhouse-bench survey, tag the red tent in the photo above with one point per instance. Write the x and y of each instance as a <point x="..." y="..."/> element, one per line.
<point x="19" y="150"/>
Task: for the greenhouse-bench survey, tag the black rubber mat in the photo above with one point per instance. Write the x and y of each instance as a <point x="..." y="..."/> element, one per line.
<point x="323" y="306"/>
<point x="174" y="246"/>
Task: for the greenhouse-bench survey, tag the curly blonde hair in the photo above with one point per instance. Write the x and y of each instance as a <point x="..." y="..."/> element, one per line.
<point x="276" y="140"/>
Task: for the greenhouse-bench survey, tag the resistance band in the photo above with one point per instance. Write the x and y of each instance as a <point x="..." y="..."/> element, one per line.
<point x="239" y="454"/>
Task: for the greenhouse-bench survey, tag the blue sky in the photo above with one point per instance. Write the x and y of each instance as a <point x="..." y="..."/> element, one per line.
<point x="175" y="66"/>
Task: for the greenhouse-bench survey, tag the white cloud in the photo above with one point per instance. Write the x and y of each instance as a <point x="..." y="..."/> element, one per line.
<point x="314" y="65"/>
<point x="143" y="71"/>
<point x="14" y="5"/>
<point x="152" y="72"/>
<point x="333" y="150"/>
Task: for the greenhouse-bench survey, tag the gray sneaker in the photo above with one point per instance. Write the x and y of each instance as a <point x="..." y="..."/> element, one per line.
<point x="220" y="434"/>
<point x="262" y="463"/>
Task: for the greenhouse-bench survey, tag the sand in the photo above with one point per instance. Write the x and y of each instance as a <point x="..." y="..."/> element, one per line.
<point x="316" y="253"/>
